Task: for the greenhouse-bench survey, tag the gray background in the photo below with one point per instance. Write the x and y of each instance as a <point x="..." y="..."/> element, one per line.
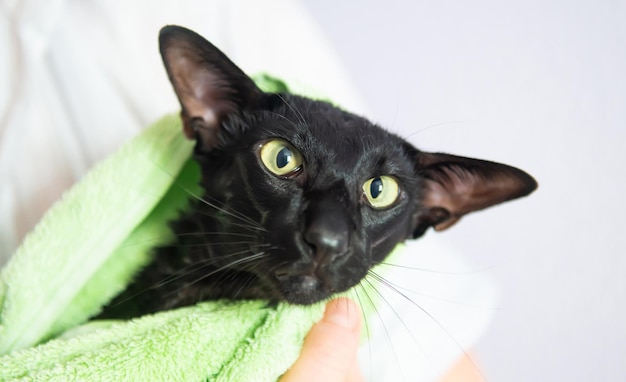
<point x="539" y="85"/>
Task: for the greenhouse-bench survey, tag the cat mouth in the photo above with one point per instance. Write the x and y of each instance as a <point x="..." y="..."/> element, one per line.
<point x="302" y="289"/>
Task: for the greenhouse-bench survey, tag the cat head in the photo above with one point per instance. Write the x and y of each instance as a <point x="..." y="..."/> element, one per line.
<point x="314" y="194"/>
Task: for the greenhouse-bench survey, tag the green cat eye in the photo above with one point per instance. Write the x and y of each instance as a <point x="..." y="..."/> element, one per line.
<point x="280" y="158"/>
<point x="381" y="192"/>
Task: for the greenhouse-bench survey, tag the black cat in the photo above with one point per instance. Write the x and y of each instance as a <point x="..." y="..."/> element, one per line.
<point x="301" y="198"/>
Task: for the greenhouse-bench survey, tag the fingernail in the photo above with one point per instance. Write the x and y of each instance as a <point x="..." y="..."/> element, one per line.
<point x="343" y="312"/>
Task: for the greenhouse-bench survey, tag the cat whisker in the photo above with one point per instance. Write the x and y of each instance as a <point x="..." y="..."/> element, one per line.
<point x="206" y="200"/>
<point x="192" y="245"/>
<point x="386" y="283"/>
<point x="232" y="212"/>
<point x="227" y="266"/>
<point x="382" y="323"/>
<point x="435" y="125"/>
<point x="184" y="272"/>
<point x="181" y="273"/>
<point x="293" y="109"/>
<point x="214" y="259"/>
<point x="204" y="233"/>
<point x="159" y="240"/>
<point x="399" y="287"/>
<point x="253" y="227"/>
<point x="292" y="123"/>
<point x="252" y="276"/>
<point x="365" y="322"/>
<point x="245" y="284"/>
<point x="485" y="269"/>
<point x="406" y="327"/>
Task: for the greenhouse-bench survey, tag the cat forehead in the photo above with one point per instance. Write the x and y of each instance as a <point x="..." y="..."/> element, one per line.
<point x="330" y="126"/>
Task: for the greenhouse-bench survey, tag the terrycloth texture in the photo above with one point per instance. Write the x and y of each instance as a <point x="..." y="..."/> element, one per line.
<point x="86" y="247"/>
<point x="84" y="251"/>
<point x="212" y="341"/>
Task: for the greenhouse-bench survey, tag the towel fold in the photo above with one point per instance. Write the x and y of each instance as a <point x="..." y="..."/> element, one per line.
<point x="214" y="341"/>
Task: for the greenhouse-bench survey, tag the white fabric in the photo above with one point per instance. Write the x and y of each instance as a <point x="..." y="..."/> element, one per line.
<point x="79" y="78"/>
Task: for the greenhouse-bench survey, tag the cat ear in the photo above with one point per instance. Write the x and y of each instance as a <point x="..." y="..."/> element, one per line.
<point x="209" y="86"/>
<point x="454" y="186"/>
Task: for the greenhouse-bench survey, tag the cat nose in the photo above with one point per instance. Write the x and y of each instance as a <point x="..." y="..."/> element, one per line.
<point x="327" y="231"/>
<point x="326" y="240"/>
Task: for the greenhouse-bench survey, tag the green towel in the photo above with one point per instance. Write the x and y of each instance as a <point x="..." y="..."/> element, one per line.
<point x="215" y="341"/>
<point x="85" y="251"/>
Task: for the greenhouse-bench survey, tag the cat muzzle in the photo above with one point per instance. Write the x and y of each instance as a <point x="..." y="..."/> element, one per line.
<point x="328" y="230"/>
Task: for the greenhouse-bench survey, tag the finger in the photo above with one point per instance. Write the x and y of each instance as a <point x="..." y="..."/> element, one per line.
<point x="330" y="347"/>
<point x="354" y="374"/>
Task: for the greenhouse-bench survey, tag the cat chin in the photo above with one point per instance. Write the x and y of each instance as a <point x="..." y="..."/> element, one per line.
<point x="303" y="290"/>
<point x="302" y="298"/>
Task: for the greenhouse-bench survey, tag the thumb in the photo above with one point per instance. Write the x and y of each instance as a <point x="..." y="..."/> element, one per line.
<point x="329" y="350"/>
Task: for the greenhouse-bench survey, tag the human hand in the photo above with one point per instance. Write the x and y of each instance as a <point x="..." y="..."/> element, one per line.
<point x="329" y="350"/>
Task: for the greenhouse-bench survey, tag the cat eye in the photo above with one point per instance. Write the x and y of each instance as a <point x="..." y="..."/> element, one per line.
<point x="381" y="192"/>
<point x="280" y="158"/>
